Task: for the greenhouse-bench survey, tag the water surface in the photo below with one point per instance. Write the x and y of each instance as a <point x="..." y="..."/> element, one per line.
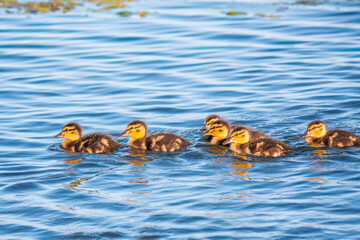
<point x="183" y="61"/>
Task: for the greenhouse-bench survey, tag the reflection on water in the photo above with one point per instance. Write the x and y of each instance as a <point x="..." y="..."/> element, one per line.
<point x="242" y="168"/>
<point x="138" y="158"/>
<point x="215" y="150"/>
<point x="241" y="156"/>
<point x="317" y="179"/>
<point x="74" y="161"/>
<point x="321" y="153"/>
<point x="76" y="183"/>
<point x="138" y="181"/>
<point x="233" y="196"/>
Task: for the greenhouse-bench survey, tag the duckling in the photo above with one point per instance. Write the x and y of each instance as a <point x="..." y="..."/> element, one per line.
<point x="220" y="130"/>
<point x="242" y="142"/>
<point x="90" y="143"/>
<point x="157" y="142"/>
<point x="317" y="134"/>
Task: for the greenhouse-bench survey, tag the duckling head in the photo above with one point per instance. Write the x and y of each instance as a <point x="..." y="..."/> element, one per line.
<point x="240" y="135"/>
<point x="136" y="129"/>
<point x="219" y="129"/>
<point x="315" y="129"/>
<point x="208" y="121"/>
<point x="71" y="132"/>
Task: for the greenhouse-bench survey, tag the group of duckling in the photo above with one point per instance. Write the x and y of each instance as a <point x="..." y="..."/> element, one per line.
<point x="241" y="139"/>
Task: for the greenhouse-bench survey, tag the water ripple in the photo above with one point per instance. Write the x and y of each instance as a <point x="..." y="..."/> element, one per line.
<point x="181" y="62"/>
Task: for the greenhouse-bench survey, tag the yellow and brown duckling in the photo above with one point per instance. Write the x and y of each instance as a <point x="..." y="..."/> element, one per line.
<point x="220" y="130"/>
<point x="241" y="142"/>
<point x="90" y="143"/>
<point x="317" y="134"/>
<point x="157" y="142"/>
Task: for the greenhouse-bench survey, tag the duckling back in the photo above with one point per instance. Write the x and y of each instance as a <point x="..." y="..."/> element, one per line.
<point x="165" y="142"/>
<point x="266" y="147"/>
<point x="340" y="138"/>
<point x="94" y="143"/>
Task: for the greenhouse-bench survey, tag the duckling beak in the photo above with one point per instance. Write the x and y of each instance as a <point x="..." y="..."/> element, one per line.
<point x="124" y="134"/>
<point x="306" y="134"/>
<point x="228" y="141"/>
<point x="60" y="135"/>
<point x="207" y="133"/>
<point x="203" y="129"/>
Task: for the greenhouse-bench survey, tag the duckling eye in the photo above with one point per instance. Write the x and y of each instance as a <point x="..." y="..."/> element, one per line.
<point x="138" y="130"/>
<point x="220" y="130"/>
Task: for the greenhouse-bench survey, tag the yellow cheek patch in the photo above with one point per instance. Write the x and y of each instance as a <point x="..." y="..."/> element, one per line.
<point x="317" y="130"/>
<point x="216" y="129"/>
<point x="70" y="133"/>
<point x="136" y="131"/>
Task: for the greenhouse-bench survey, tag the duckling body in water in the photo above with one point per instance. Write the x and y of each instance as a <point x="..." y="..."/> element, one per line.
<point x="241" y="142"/>
<point x="91" y="143"/>
<point x="220" y="130"/>
<point x="157" y="142"/>
<point x="317" y="133"/>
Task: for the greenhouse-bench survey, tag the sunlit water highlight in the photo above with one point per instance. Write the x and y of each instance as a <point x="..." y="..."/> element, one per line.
<point x="183" y="61"/>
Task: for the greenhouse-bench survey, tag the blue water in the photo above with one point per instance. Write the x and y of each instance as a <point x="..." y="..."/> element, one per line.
<point x="183" y="61"/>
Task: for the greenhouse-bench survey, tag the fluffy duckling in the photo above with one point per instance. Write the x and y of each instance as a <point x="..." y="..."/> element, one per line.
<point x="316" y="133"/>
<point x="91" y="143"/>
<point x="220" y="130"/>
<point x="242" y="143"/>
<point x="158" y="142"/>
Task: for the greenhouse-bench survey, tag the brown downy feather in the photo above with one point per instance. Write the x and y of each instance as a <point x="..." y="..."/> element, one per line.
<point x="93" y="143"/>
<point x="161" y="142"/>
<point x="165" y="142"/>
<point x="339" y="138"/>
<point x="266" y="147"/>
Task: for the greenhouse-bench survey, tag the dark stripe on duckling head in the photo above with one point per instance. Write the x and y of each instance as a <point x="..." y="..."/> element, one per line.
<point x="76" y="126"/>
<point x="237" y="133"/>
<point x="210" y="117"/>
<point x="315" y="122"/>
<point x="208" y="121"/>
<point x="239" y="130"/>
<point x="315" y="127"/>
<point x="136" y="122"/>
<point x="218" y="123"/>
<point x="69" y="129"/>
